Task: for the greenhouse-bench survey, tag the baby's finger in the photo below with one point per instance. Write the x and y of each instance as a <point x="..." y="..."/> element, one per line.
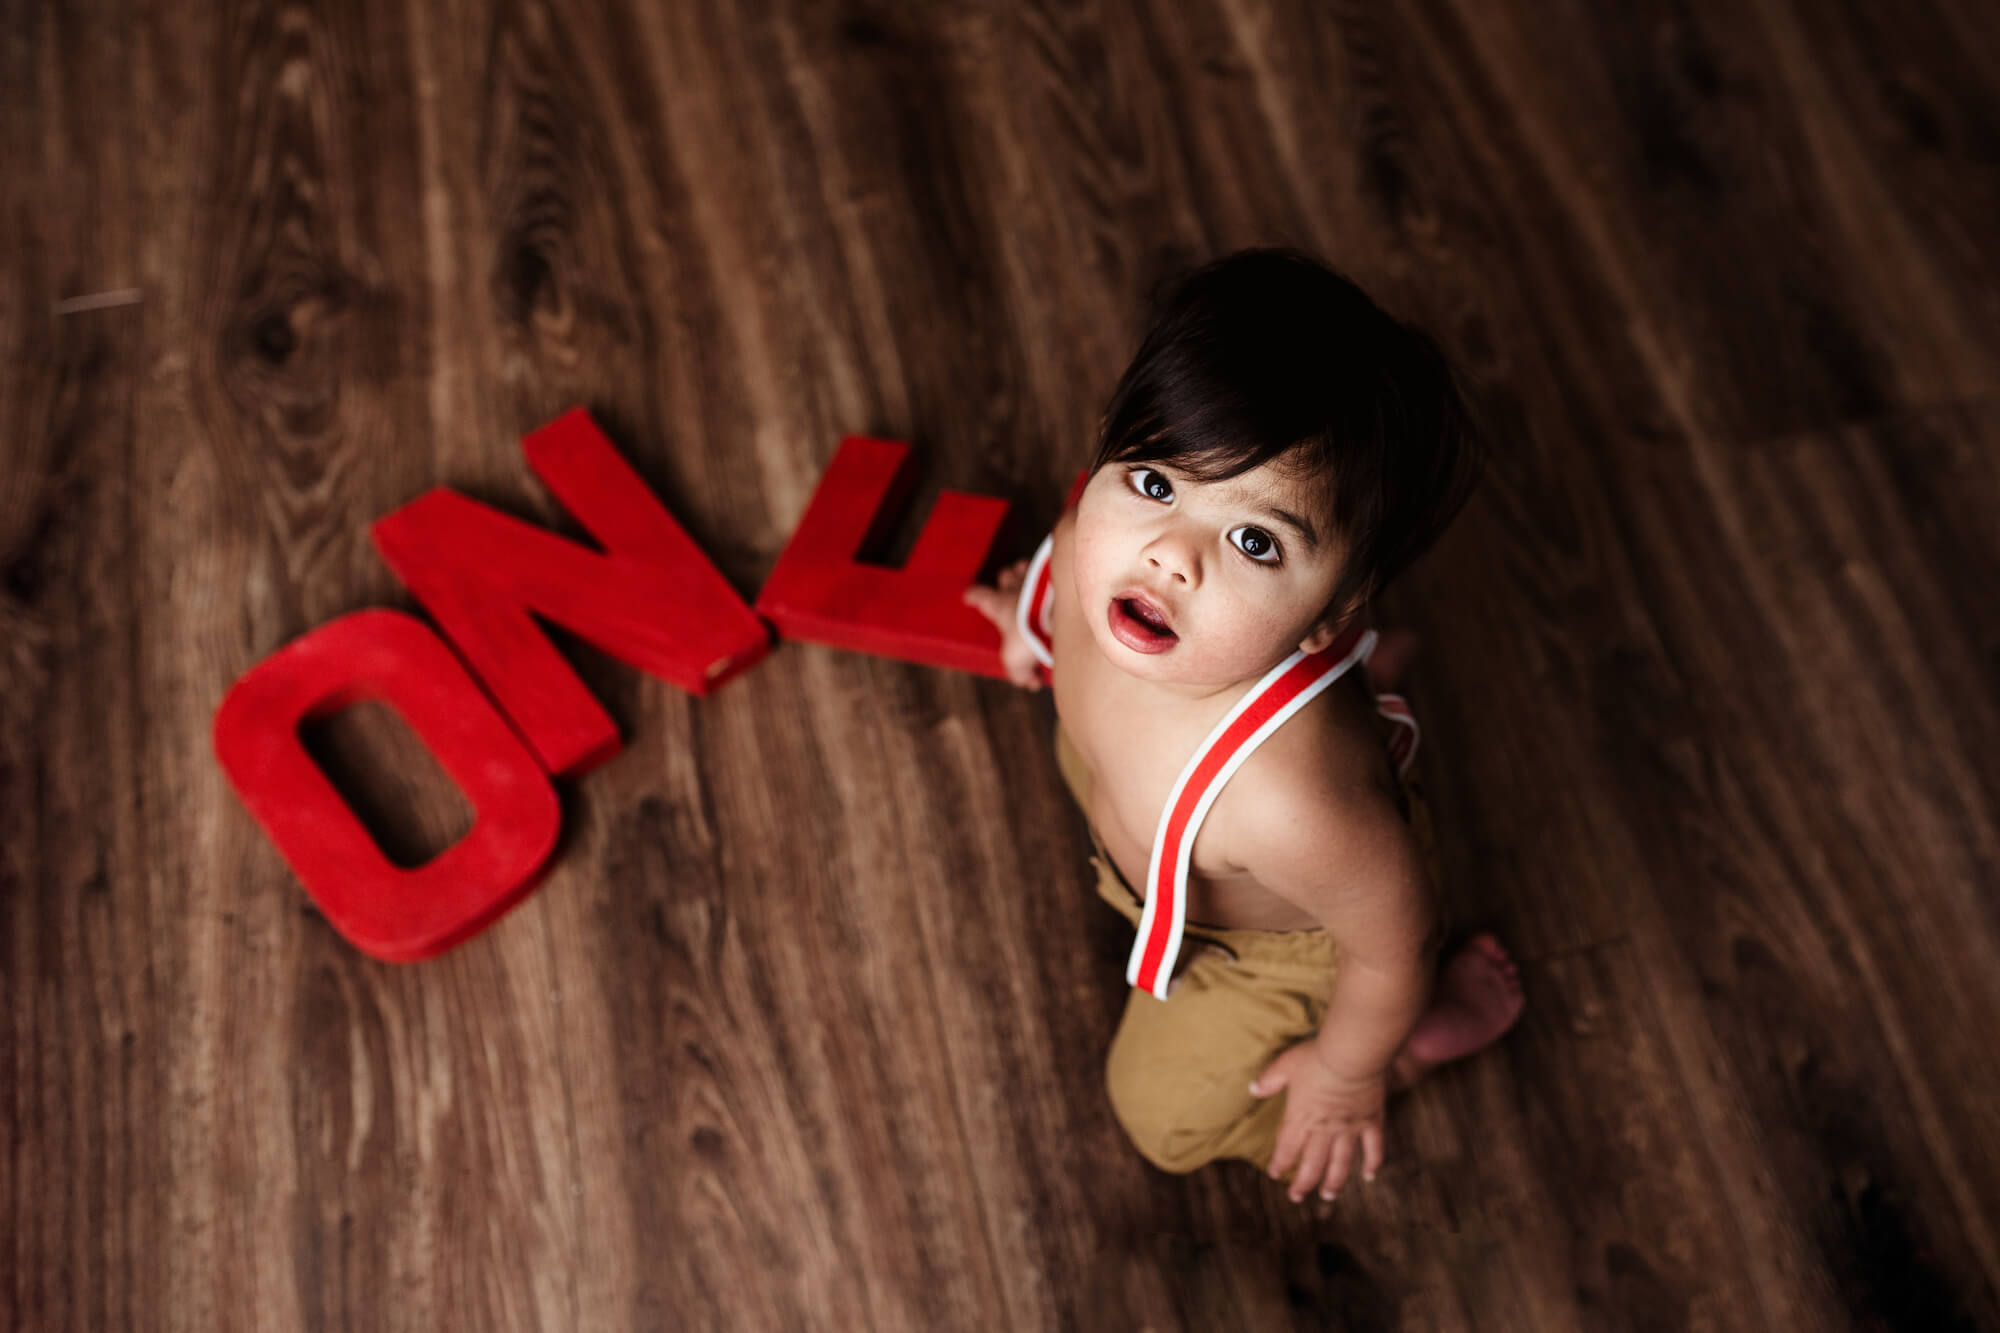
<point x="994" y="606"/>
<point x="1310" y="1169"/>
<point x="1371" y="1151"/>
<point x="1337" y="1169"/>
<point x="1290" y="1140"/>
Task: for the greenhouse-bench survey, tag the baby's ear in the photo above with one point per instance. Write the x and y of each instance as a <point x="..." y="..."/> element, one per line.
<point x="1322" y="636"/>
<point x="1327" y="630"/>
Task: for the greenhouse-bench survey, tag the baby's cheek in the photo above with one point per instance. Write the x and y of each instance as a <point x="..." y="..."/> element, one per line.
<point x="1246" y="647"/>
<point x="1085" y="558"/>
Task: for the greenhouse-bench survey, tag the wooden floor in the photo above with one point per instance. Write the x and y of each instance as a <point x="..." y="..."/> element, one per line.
<point x="805" y="1030"/>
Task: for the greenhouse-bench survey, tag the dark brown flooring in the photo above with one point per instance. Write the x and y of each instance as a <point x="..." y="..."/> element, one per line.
<point x="804" y="1031"/>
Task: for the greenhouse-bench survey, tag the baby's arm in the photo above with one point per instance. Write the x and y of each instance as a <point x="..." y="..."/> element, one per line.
<point x="1355" y="867"/>
<point x="1384" y="980"/>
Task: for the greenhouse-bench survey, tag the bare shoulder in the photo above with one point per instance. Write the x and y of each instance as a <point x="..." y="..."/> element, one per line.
<point x="1313" y="817"/>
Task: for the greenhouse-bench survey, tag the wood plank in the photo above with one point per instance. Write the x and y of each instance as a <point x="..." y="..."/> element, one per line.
<point x="78" y="1082"/>
<point x="84" y="1014"/>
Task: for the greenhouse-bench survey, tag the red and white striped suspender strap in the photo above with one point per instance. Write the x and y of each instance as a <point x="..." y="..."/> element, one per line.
<point x="1031" y="612"/>
<point x="1287" y="688"/>
<point x="1403" y="742"/>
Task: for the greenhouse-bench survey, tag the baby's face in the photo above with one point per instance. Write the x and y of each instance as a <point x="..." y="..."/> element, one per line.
<point x="1202" y="584"/>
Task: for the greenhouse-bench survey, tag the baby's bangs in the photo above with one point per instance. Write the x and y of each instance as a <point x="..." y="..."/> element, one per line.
<point x="1207" y="450"/>
<point x="1203" y="460"/>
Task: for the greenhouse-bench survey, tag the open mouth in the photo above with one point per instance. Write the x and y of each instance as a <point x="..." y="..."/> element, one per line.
<point x="1140" y="625"/>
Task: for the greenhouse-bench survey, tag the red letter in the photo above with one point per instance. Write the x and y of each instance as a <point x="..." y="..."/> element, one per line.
<point x="387" y="912"/>
<point x="821" y="594"/>
<point x="651" y="600"/>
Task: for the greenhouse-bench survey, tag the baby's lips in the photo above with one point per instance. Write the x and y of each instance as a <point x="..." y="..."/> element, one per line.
<point x="1137" y="597"/>
<point x="1154" y="616"/>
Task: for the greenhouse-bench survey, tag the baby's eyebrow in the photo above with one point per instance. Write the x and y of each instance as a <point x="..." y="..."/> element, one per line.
<point x="1303" y="526"/>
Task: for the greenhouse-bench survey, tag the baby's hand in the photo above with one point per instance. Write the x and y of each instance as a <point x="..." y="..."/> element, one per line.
<point x="997" y="605"/>
<point x="1327" y="1117"/>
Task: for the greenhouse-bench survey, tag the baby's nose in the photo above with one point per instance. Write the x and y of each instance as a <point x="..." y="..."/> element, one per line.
<point x="1176" y="568"/>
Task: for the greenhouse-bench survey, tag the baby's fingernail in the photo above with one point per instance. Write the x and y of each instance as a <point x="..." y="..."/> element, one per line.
<point x="1369" y="1179"/>
<point x="1327" y="1195"/>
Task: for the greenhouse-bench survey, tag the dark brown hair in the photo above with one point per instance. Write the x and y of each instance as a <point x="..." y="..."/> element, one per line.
<point x="1269" y="354"/>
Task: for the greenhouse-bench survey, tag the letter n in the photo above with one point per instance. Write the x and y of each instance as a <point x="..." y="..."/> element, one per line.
<point x="650" y="599"/>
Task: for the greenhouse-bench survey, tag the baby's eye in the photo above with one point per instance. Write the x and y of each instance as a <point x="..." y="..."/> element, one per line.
<point x="1256" y="543"/>
<point x="1151" y="484"/>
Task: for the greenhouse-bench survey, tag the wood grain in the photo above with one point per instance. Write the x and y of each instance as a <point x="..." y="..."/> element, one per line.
<point x="805" y="1029"/>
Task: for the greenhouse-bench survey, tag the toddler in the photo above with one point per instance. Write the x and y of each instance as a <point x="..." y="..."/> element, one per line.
<point x="1275" y="453"/>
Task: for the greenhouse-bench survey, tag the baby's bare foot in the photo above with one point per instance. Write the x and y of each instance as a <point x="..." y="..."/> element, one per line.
<point x="1478" y="997"/>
